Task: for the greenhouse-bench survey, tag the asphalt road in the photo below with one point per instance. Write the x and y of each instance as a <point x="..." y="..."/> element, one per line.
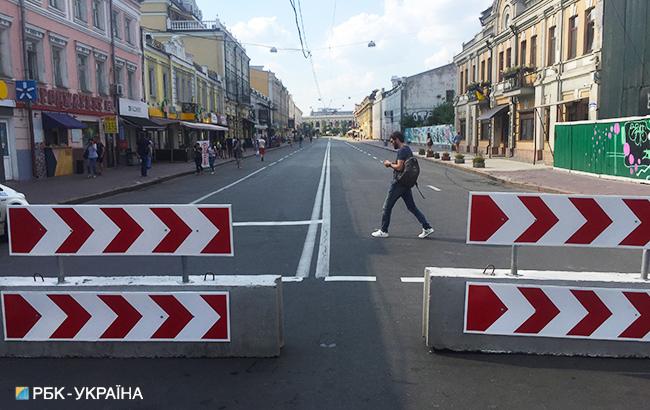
<point x="348" y="344"/>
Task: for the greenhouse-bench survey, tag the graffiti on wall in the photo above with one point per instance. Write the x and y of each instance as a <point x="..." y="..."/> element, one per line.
<point x="631" y="148"/>
<point x="442" y="135"/>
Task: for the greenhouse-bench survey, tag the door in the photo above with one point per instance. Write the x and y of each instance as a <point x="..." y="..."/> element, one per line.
<point x="5" y="151"/>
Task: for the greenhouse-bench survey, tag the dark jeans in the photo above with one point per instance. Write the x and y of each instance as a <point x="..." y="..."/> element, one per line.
<point x="199" y="165"/>
<point x="396" y="192"/>
<point x="144" y="165"/>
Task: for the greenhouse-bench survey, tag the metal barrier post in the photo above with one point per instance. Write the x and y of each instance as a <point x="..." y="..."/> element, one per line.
<point x="645" y="261"/>
<point x="513" y="261"/>
<point x="186" y="277"/>
<point x="61" y="277"/>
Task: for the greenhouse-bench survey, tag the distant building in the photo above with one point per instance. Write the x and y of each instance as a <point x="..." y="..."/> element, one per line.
<point x="329" y="119"/>
<point x="392" y="109"/>
<point x="425" y="91"/>
<point x="363" y="115"/>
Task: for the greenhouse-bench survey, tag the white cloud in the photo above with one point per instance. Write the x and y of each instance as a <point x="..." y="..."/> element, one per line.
<point x="261" y="30"/>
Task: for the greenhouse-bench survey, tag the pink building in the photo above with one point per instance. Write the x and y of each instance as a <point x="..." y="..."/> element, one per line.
<point x="80" y="78"/>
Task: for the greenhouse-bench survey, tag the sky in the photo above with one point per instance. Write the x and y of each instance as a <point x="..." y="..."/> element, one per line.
<point x="411" y="36"/>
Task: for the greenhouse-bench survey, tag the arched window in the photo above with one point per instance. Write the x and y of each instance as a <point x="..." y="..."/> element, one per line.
<point x="506" y="18"/>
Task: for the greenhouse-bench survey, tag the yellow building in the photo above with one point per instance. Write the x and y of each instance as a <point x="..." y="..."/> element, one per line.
<point x="532" y="65"/>
<point x="260" y="80"/>
<point x="363" y="116"/>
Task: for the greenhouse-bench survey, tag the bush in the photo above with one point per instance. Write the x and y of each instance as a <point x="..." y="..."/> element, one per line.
<point x="436" y="155"/>
<point x="446" y="156"/>
<point x="421" y="151"/>
<point x="478" y="161"/>
<point x="429" y="153"/>
<point x="459" y="156"/>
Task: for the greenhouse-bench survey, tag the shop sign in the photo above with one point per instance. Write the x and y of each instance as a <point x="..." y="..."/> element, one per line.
<point x="133" y="108"/>
<point x="214" y="118"/>
<point x="67" y="101"/>
<point x="110" y="124"/>
<point x="223" y="120"/>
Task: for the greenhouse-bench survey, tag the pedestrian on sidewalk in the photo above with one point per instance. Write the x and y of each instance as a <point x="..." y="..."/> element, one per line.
<point x="212" y="157"/>
<point x="100" y="157"/>
<point x="457" y="139"/>
<point x="229" y="144"/>
<point x="429" y="142"/>
<point x="237" y="151"/>
<point x="143" y="152"/>
<point x="220" y="150"/>
<point x="198" y="158"/>
<point x="261" y="146"/>
<point x="91" y="155"/>
<point x="397" y="190"/>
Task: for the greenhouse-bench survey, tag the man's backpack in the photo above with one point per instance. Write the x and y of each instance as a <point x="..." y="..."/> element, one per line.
<point x="408" y="177"/>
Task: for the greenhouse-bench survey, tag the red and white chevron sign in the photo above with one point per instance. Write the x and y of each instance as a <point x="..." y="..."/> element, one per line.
<point x="557" y="311"/>
<point x="116" y="316"/>
<point x="92" y="230"/>
<point x="558" y="220"/>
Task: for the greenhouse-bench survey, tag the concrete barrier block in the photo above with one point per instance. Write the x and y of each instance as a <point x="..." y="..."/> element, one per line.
<point x="539" y="312"/>
<point x="145" y="316"/>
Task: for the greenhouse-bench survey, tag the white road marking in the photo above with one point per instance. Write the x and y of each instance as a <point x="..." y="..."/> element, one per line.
<point x="374" y="157"/>
<point x="412" y="280"/>
<point x="434" y="188"/>
<point x="277" y="223"/>
<point x="204" y="197"/>
<point x="291" y="279"/>
<point x="323" y="261"/>
<point x="310" y="240"/>
<point x="351" y="279"/>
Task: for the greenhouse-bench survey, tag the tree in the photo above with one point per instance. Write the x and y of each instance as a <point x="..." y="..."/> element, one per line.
<point x="442" y="114"/>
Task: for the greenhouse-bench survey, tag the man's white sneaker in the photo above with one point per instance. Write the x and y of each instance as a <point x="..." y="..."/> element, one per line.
<point x="425" y="233"/>
<point x="379" y="234"/>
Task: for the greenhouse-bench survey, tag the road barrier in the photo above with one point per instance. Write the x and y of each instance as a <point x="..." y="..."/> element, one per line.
<point x="543" y="312"/>
<point x="143" y="316"/>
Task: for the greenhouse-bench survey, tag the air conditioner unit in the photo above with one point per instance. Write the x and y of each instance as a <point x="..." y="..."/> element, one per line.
<point x="119" y="89"/>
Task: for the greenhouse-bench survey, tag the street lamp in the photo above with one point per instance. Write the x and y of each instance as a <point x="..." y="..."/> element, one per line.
<point x="273" y="50"/>
<point x="371" y="44"/>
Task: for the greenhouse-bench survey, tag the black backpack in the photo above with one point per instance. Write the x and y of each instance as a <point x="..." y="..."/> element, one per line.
<point x="408" y="177"/>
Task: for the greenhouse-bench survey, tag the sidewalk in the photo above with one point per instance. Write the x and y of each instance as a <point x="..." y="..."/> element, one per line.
<point x="540" y="177"/>
<point x="75" y="189"/>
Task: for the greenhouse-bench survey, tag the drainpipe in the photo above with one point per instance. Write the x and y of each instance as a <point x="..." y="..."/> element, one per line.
<point x="30" y="115"/>
<point x="116" y="102"/>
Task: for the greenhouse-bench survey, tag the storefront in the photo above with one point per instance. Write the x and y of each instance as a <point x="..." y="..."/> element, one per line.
<point x="134" y="122"/>
<point x="7" y="140"/>
<point x="62" y="134"/>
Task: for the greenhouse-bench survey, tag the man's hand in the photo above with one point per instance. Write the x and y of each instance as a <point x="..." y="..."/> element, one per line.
<point x="387" y="163"/>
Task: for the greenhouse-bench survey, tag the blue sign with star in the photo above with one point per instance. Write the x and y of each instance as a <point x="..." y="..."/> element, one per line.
<point x="26" y="90"/>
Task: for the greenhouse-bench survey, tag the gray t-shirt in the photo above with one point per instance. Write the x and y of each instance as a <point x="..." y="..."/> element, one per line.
<point x="403" y="154"/>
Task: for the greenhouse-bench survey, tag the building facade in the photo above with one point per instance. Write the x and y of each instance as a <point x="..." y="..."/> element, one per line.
<point x="533" y="64"/>
<point x="377" y="114"/>
<point x="392" y="109"/>
<point x="68" y="53"/>
<point x="330" y="120"/>
<point x="424" y="91"/>
<point x="363" y="115"/>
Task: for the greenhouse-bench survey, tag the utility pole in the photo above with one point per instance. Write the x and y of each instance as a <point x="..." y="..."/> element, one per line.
<point x="30" y="120"/>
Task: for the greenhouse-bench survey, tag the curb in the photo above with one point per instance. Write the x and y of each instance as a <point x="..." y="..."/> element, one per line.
<point x="532" y="187"/>
<point x="135" y="187"/>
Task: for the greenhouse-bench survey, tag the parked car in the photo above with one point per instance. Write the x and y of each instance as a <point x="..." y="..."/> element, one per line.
<point x="8" y="196"/>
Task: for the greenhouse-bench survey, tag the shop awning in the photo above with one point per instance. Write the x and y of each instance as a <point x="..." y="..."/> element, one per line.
<point x="163" y="122"/>
<point x="261" y="127"/>
<point x="61" y="120"/>
<point x="202" y="126"/>
<point x="143" y="123"/>
<point x="492" y="112"/>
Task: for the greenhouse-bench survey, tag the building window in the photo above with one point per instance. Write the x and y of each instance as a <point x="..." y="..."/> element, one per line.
<point x="501" y="66"/>
<point x="533" y="51"/>
<point x="462" y="86"/>
<point x="82" y="72"/>
<point x="486" y="130"/>
<point x="165" y="84"/>
<point x="589" y="30"/>
<point x="100" y="70"/>
<point x="489" y="69"/>
<point x="56" y="4"/>
<point x="474" y="73"/>
<point x="130" y="83"/>
<point x="118" y="76"/>
<point x="466" y="78"/>
<point x="483" y="70"/>
<point x="526" y="126"/>
<point x="116" y="24"/>
<point x="98" y="14"/>
<point x="550" y="59"/>
<point x="573" y="37"/>
<point x="80" y="11"/>
<point x="450" y="96"/>
<point x="58" y="67"/>
<point x="522" y="55"/>
<point x="128" y="30"/>
<point x="5" y="53"/>
<point x="33" y="60"/>
<point x="152" y="81"/>
<point x="508" y="57"/>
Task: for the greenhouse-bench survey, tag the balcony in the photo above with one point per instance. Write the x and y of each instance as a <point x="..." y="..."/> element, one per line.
<point x="517" y="81"/>
<point x="193" y="25"/>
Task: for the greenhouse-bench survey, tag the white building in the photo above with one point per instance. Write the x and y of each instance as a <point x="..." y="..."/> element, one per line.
<point x="377" y="114"/>
<point x="425" y="91"/>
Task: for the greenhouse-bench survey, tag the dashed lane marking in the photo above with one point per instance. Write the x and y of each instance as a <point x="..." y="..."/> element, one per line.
<point x="350" y="279"/>
<point x="434" y="188"/>
<point x="412" y="280"/>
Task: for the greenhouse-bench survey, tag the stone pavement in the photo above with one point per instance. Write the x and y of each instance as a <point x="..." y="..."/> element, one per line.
<point x="539" y="177"/>
<point x="76" y="188"/>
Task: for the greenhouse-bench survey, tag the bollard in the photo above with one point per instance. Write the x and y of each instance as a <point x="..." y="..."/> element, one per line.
<point x="61" y="277"/>
<point x="513" y="261"/>
<point x="186" y="277"/>
<point x="645" y="261"/>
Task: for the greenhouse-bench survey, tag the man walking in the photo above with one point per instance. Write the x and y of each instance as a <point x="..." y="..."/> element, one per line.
<point x="397" y="191"/>
<point x="261" y="144"/>
<point x="143" y="153"/>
